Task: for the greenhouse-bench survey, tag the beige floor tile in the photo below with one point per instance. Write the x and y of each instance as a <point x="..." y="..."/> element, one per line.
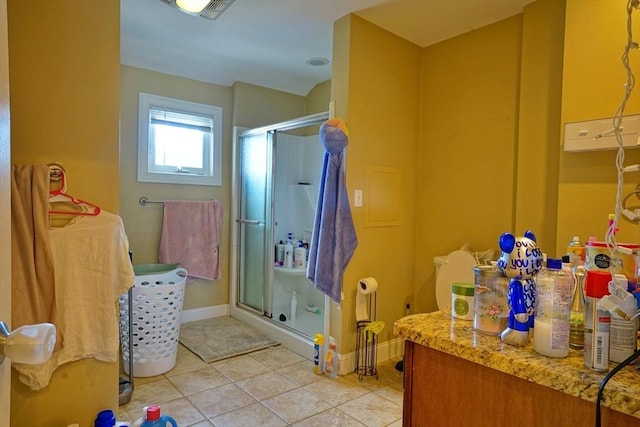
<point x="296" y="405"/>
<point x="270" y="387"/>
<point x="195" y="381"/>
<point x="390" y="394"/>
<point x="330" y="417"/>
<point x="220" y="400"/>
<point x="300" y="373"/>
<point x="204" y="424"/>
<point x="336" y="391"/>
<point x="249" y="416"/>
<point x="182" y="411"/>
<point x="186" y="361"/>
<point x="372" y="410"/>
<point x="266" y="385"/>
<point x="239" y="368"/>
<point x="277" y="357"/>
<point x="155" y="393"/>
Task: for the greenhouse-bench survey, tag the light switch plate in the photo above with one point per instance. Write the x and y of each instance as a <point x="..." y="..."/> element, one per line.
<point x="357" y="198"/>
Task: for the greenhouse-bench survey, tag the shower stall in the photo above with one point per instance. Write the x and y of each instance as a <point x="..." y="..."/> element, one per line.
<point x="277" y="169"/>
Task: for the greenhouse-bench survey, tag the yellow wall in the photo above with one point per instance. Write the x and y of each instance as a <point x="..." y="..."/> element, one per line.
<point x="383" y="81"/>
<point x="467" y="146"/>
<point x="64" y="80"/>
<point x="592" y="84"/>
<point x="65" y="92"/>
<point x="144" y="223"/>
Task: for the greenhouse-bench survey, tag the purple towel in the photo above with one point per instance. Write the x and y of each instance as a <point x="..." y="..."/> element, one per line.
<point x="334" y="237"/>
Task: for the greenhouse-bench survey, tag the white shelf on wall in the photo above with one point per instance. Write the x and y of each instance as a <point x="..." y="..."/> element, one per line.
<point x="594" y="135"/>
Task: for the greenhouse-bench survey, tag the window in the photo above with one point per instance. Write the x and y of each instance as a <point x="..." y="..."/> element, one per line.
<point x="179" y="142"/>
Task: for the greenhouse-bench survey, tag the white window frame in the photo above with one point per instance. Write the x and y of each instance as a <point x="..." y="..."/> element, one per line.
<point x="147" y="101"/>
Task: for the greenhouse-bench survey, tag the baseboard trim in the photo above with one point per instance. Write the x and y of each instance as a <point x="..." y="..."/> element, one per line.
<point x="391" y="349"/>
<point x="202" y="313"/>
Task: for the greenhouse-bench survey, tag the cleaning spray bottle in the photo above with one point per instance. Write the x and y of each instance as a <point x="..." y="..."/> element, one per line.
<point x="318" y="360"/>
<point x="153" y="418"/>
<point x="331" y="359"/>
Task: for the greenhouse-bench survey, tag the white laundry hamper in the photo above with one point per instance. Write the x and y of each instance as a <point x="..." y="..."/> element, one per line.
<point x="155" y="326"/>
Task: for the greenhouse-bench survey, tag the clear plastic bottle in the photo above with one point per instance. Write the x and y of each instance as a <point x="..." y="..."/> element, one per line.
<point x="576" y="333"/>
<point x="331" y="359"/>
<point x="553" y="286"/>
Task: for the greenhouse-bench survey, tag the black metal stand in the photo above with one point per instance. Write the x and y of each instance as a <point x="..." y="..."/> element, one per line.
<point x="366" y="344"/>
<point x="126" y="383"/>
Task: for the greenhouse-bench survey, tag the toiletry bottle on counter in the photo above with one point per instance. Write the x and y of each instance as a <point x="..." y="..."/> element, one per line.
<point x="597" y="323"/>
<point x="623" y="337"/>
<point x="576" y="333"/>
<point x="553" y="286"/>
<point x="288" y="252"/>
<point x="576" y="251"/>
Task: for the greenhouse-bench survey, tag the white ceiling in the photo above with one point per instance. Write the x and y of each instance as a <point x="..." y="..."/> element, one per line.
<point x="266" y="42"/>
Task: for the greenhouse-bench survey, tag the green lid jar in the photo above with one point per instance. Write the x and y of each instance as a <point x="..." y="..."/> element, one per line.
<point x="462" y="300"/>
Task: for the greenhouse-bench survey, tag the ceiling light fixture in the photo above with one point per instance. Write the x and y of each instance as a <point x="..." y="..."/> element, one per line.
<point x="192" y="6"/>
<point x="207" y="9"/>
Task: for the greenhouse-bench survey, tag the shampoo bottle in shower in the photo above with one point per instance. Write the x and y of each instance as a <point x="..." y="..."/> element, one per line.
<point x="294" y="306"/>
<point x="300" y="256"/>
<point x="288" y="252"/>
<point x="280" y="253"/>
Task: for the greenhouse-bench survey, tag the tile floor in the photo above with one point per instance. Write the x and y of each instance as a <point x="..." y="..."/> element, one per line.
<point x="271" y="387"/>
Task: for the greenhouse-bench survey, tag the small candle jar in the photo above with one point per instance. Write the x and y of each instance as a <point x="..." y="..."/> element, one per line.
<point x="462" y="301"/>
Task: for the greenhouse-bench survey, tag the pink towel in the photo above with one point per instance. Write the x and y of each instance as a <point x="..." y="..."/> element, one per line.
<point x="191" y="237"/>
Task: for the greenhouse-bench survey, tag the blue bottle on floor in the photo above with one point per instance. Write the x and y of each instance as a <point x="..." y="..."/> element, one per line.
<point x="153" y="418"/>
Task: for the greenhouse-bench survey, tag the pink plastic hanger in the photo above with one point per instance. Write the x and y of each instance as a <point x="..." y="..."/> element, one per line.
<point x="60" y="196"/>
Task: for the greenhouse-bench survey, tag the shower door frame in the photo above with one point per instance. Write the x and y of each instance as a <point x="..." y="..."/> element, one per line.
<point x="237" y="307"/>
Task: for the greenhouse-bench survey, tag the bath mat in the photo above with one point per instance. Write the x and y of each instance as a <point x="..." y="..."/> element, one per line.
<point x="222" y="337"/>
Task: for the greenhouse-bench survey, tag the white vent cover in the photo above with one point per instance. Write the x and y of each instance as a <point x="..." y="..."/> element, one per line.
<point x="211" y="11"/>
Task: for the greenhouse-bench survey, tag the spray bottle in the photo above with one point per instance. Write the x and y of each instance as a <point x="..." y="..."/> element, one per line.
<point x="331" y="359"/>
<point x="318" y="343"/>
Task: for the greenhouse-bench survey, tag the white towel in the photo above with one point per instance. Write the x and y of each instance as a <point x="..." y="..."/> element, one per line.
<point x="92" y="270"/>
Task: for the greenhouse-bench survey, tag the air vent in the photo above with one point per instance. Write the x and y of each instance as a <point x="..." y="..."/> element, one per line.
<point x="211" y="11"/>
<point x="215" y="8"/>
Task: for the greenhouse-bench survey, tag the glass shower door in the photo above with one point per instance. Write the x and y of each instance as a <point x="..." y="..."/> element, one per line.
<point x="254" y="222"/>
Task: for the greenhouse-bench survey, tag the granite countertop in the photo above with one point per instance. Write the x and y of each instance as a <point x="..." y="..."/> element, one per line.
<point x="439" y="331"/>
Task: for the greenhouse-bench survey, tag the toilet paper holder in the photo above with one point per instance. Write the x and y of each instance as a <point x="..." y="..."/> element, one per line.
<point x="366" y="339"/>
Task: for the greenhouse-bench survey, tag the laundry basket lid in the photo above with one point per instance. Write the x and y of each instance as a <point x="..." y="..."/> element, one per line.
<point x="142" y="269"/>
